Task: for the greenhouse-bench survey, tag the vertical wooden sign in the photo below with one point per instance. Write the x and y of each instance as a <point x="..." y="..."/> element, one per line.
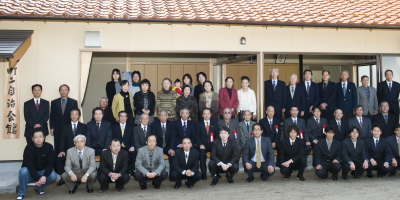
<point x="11" y="105"/>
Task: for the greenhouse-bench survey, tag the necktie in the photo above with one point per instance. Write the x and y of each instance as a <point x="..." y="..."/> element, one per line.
<point x="274" y="85"/>
<point x="144" y="131"/>
<point x="227" y="124"/>
<point x="270" y="124"/>
<point x="317" y="121"/>
<point x="151" y="158"/>
<point x="74" y="129"/>
<point x="354" y="144"/>
<point x="386" y="119"/>
<point x="114" y="161"/>
<point x="308" y="88"/>
<point x="184" y="129"/>
<point x="360" y="123"/>
<point x="398" y="145"/>
<point x="163" y="135"/>
<point x="376" y="143"/>
<point x="248" y="127"/>
<point x="80" y="159"/>
<point x="62" y="106"/>
<point x="258" y="154"/>
<point x="324" y="86"/>
<point x="122" y="132"/>
<point x="292" y="143"/>
<point x="295" y="122"/>
<point x="186" y="157"/>
<point x="390" y="86"/>
<point x="98" y="132"/>
<point x="344" y="89"/>
<point x="338" y="124"/>
<point x="207" y="128"/>
<point x="37" y="105"/>
<point x="367" y="92"/>
<point x="292" y="91"/>
<point x="329" y="146"/>
<point x="224" y="144"/>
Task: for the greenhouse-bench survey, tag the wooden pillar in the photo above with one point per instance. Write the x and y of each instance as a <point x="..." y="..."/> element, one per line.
<point x="260" y="85"/>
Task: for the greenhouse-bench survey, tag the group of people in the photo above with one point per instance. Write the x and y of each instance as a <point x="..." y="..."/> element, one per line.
<point x="341" y="124"/>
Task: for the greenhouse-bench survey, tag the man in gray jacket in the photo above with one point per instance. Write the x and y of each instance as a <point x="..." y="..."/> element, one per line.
<point x="150" y="164"/>
<point x="367" y="98"/>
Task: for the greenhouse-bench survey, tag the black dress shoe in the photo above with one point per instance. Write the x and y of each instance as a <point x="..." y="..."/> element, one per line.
<point x="300" y="178"/>
<point x="229" y="177"/>
<point x="369" y="175"/>
<point x="286" y="177"/>
<point x="89" y="190"/>
<point x="131" y="172"/>
<point x="73" y="190"/>
<point x="353" y="173"/>
<point x="263" y="178"/>
<point x="143" y="187"/>
<point x="249" y="180"/>
<point x="334" y="177"/>
<point x="155" y="185"/>
<point x="189" y="185"/>
<point x="204" y="177"/>
<point x="219" y="176"/>
<point x="345" y="177"/>
<point x="177" y="185"/>
<point x="214" y="181"/>
<point x="61" y="182"/>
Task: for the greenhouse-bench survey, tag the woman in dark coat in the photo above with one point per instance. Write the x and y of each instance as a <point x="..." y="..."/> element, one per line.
<point x="187" y="101"/>
<point x="114" y="86"/>
<point x="144" y="101"/>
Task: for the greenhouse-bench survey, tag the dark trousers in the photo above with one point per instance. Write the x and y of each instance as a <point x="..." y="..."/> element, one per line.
<point x="382" y="170"/>
<point x="131" y="119"/>
<point x="132" y="158"/>
<point x="347" y="116"/>
<point x="28" y="140"/>
<point x="203" y="157"/>
<point x="104" y="181"/>
<point x="278" y="114"/>
<point x="334" y="168"/>
<point x="300" y="165"/>
<point x="327" y="115"/>
<point x="394" y="169"/>
<point x="97" y="150"/>
<point x="143" y="178"/>
<point x="60" y="164"/>
<point x="346" y="168"/>
<point x="57" y="133"/>
<point x="215" y="169"/>
<point x="170" y="159"/>
<point x="190" y="179"/>
<point x="263" y="169"/>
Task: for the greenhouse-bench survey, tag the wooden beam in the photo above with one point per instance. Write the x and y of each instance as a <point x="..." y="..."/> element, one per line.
<point x="19" y="52"/>
<point x="260" y="86"/>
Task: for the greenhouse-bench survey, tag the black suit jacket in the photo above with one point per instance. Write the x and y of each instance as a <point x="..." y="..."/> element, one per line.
<point x="295" y="101"/>
<point x="351" y="154"/>
<point x="391" y="96"/>
<point x="157" y="130"/>
<point x="277" y="98"/>
<point x="394" y="148"/>
<point x="301" y="124"/>
<point x="67" y="136"/>
<point x="380" y="152"/>
<point x="341" y="134"/>
<point x="288" y="151"/>
<point x="346" y="103"/>
<point x="106" y="163"/>
<point x="110" y="91"/>
<point x="314" y="129"/>
<point x="127" y="139"/>
<point x="178" y="134"/>
<point x="33" y="117"/>
<point x="104" y="138"/>
<point x="57" y="119"/>
<point x="139" y="137"/>
<point x="228" y="155"/>
<point x="310" y="99"/>
<point x="267" y="151"/>
<point x="201" y="134"/>
<point x="179" y="162"/>
<point x="328" y="96"/>
<point x="273" y="134"/>
<point x="387" y="129"/>
<point x="322" y="154"/>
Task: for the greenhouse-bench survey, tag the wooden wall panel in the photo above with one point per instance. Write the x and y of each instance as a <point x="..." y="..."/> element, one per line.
<point x="150" y="72"/>
<point x="176" y="72"/>
<point x="163" y="71"/>
<point x="139" y="68"/>
<point x="190" y="69"/>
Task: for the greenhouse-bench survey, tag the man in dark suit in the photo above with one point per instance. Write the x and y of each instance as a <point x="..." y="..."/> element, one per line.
<point x="386" y="120"/>
<point x="183" y="128"/>
<point x="99" y="134"/>
<point x="346" y="95"/>
<point x="36" y="113"/>
<point x="59" y="115"/>
<point x="207" y="132"/>
<point x="275" y="93"/>
<point x="339" y="125"/>
<point x="354" y="156"/>
<point x="186" y="165"/>
<point x="162" y="128"/>
<point x="361" y="122"/>
<point x="113" y="167"/>
<point x="300" y="123"/>
<point x="310" y="92"/>
<point x="293" y="96"/>
<point x="107" y="112"/>
<point x="233" y="125"/>
<point x="258" y="155"/>
<point x="394" y="144"/>
<point x="271" y="127"/>
<point x="124" y="133"/>
<point x="389" y="91"/>
<point x="328" y="155"/>
<point x="67" y="136"/>
<point x="141" y="131"/>
<point x="327" y="95"/>
<point x="378" y="153"/>
<point x="291" y="154"/>
<point x="224" y="157"/>
<point x="315" y="125"/>
<point x="245" y="127"/>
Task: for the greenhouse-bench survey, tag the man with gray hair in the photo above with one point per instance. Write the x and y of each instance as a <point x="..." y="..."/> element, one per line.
<point x="141" y="131"/>
<point x="107" y="112"/>
<point x="347" y="97"/>
<point x="80" y="166"/>
<point x="183" y="128"/>
<point x="275" y="93"/>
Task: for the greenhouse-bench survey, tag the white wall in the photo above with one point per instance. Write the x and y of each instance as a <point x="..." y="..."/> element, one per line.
<point x="393" y="63"/>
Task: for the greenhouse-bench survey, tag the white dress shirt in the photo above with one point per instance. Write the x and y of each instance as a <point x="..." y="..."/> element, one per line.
<point x="254" y="159"/>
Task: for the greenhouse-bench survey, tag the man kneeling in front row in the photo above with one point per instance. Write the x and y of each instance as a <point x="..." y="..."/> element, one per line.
<point x="37" y="165"/>
<point x="185" y="165"/>
<point x="113" y="167"/>
<point x="80" y="166"/>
